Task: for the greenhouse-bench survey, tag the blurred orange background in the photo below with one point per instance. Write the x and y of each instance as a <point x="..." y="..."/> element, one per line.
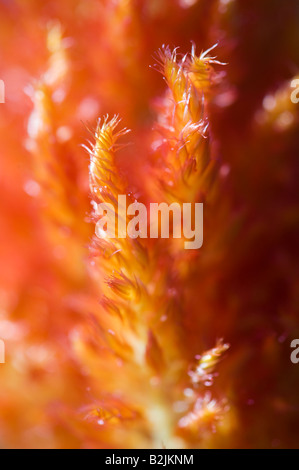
<point x="90" y="58"/>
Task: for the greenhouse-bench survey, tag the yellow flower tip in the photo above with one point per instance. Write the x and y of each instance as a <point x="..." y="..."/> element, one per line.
<point x="174" y="66"/>
<point x="203" y="370"/>
<point x="171" y="67"/>
<point x="102" y="169"/>
<point x="105" y="134"/>
<point x="201" y="67"/>
<point x="164" y="57"/>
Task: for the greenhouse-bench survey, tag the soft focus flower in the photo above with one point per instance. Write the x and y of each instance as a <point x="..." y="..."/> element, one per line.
<point x="117" y="342"/>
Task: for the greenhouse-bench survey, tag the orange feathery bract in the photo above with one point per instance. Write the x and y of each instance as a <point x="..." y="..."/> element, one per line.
<point x="117" y="342"/>
<point x="141" y="337"/>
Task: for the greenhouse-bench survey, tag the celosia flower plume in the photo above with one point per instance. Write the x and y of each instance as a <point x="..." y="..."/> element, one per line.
<point x="137" y="342"/>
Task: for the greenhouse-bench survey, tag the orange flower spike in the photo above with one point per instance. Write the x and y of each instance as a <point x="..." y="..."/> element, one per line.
<point x="204" y="412"/>
<point x="184" y="123"/>
<point x="132" y="283"/>
<point x="123" y="267"/>
<point x="185" y="154"/>
<point x="57" y="189"/>
<point x="102" y="168"/>
<point x="133" y="289"/>
<point x="42" y="129"/>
